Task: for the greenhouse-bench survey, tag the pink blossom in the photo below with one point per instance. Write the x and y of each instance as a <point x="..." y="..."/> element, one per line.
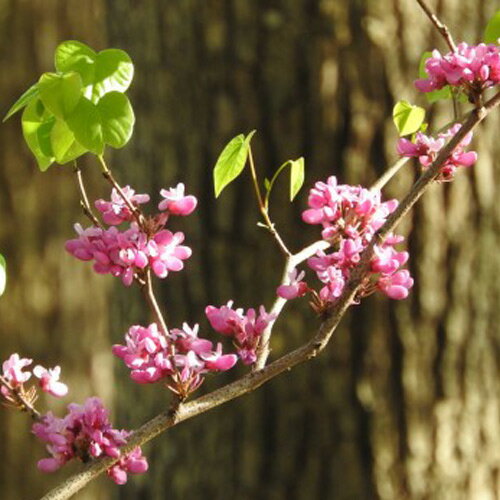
<point x="176" y="202"/>
<point x="85" y="432"/>
<point x="427" y="148"/>
<point x="295" y="287"/>
<point x="470" y="67"/>
<point x="13" y="370"/>
<point x="116" y="211"/>
<point x="397" y="285"/>
<point x="246" y="329"/>
<point x="49" y="381"/>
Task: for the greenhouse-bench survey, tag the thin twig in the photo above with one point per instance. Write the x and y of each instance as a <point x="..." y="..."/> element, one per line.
<point x="441" y="27"/>
<point x="84" y="200"/>
<point x="18" y="397"/>
<point x="388" y="174"/>
<point x="308" y="351"/>
<point x="149" y="294"/>
<point x="263" y="208"/>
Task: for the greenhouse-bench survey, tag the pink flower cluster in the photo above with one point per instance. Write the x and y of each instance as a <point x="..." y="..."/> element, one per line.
<point x="427" y="148"/>
<point x="14" y="374"/>
<point x="180" y="357"/>
<point x="126" y="253"/>
<point x="86" y="433"/>
<point x="245" y="329"/>
<point x="350" y="216"/>
<point x="471" y="67"/>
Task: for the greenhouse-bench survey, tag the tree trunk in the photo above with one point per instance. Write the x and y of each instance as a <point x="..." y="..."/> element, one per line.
<point x="405" y="402"/>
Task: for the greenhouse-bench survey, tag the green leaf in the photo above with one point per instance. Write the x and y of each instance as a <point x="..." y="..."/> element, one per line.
<point x="231" y="161"/>
<point x="60" y="93"/>
<point x="117" y="119"/>
<point x="85" y="123"/>
<point x="407" y="118"/>
<point x="296" y="176"/>
<point x="110" y="121"/>
<point x="113" y="72"/>
<point x="267" y="184"/>
<point x="3" y="274"/>
<point x="24" y="100"/>
<point x="64" y="144"/>
<point x="435" y="95"/>
<point x="37" y="124"/>
<point x="492" y="30"/>
<point x="76" y="56"/>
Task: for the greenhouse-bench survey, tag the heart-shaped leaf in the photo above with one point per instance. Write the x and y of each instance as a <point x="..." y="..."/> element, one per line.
<point x="231" y="161"/>
<point x="64" y="144"/>
<point x="113" y="72"/>
<point x="37" y="124"/>
<point x="76" y="56"/>
<point x="110" y="121"/>
<point x="60" y="93"/>
<point x="407" y="118"/>
<point x="23" y="101"/>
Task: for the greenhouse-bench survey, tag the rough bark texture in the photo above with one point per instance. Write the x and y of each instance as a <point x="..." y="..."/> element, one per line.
<point x="405" y="404"/>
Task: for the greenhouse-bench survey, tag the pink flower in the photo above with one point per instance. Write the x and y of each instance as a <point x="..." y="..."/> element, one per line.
<point x="397" y="285"/>
<point x="427" y="148"/>
<point x="116" y="211"/>
<point x="13" y="370"/>
<point x="295" y="288"/>
<point x="175" y="202"/>
<point x="469" y="67"/>
<point x="85" y="432"/>
<point x="49" y="381"/>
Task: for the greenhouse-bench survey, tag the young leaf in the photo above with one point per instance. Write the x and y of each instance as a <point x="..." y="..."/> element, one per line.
<point x="296" y="176"/>
<point x="24" y="100"/>
<point x="407" y="118"/>
<point x="113" y="72"/>
<point x="85" y="123"/>
<point x="231" y="162"/>
<point x="76" y="56"/>
<point x="492" y="31"/>
<point x="64" y="144"/>
<point x="117" y="119"/>
<point x="3" y="274"/>
<point x="435" y="95"/>
<point x="267" y="184"/>
<point x="60" y="93"/>
<point x="36" y="124"/>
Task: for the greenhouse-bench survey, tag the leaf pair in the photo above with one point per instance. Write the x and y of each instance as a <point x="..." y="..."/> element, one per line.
<point x="232" y="161"/>
<point x="81" y="107"/>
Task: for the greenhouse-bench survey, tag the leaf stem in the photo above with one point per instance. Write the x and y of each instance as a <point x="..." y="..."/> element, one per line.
<point x="84" y="200"/>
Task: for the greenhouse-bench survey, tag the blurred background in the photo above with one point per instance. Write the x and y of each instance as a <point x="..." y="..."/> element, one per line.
<point x="404" y="403"/>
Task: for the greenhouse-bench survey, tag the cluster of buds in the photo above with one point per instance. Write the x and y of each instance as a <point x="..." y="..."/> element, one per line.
<point x="86" y="433"/>
<point x="350" y="217"/>
<point x="427" y="148"/>
<point x="15" y="375"/>
<point x="144" y="244"/>
<point x="178" y="356"/>
<point x="245" y="328"/>
<point x="471" y="68"/>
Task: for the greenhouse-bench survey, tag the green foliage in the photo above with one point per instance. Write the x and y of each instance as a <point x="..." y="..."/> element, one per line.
<point x="407" y="117"/>
<point x="492" y="30"/>
<point x="81" y="107"/>
<point x="296" y="177"/>
<point x="231" y="161"/>
<point x="3" y="274"/>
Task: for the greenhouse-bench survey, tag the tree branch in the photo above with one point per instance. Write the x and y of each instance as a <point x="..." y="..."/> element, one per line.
<point x="255" y="379"/>
<point x="84" y="200"/>
<point x="440" y="26"/>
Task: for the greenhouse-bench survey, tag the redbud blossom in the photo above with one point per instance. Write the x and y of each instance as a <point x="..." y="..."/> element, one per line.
<point x="116" y="211"/>
<point x="295" y="287"/>
<point x="470" y="67"/>
<point x="175" y="202"/>
<point x="49" y="381"/>
<point x="350" y="216"/>
<point x="13" y="370"/>
<point x="86" y="433"/>
<point x="427" y="148"/>
<point x="246" y="329"/>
